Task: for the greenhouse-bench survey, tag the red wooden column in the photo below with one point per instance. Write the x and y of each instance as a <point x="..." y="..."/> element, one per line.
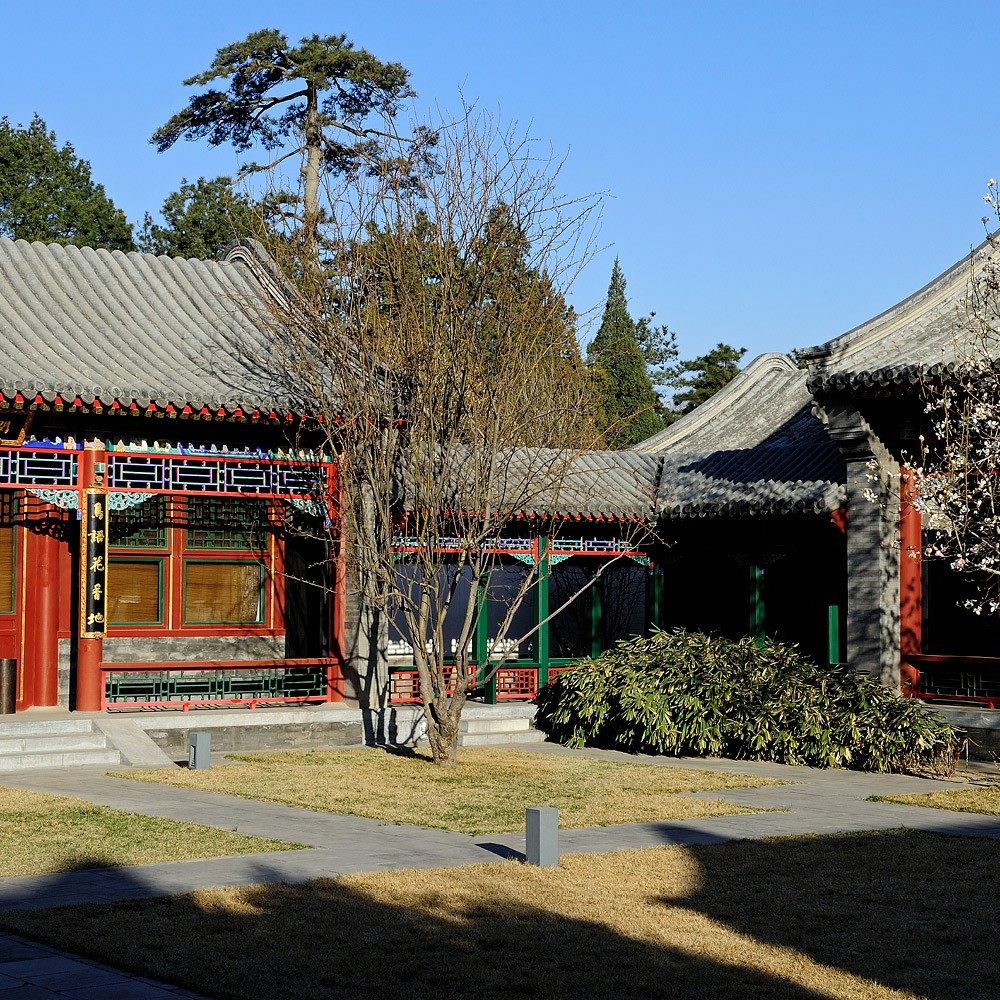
<point x="90" y="646"/>
<point x="338" y="608"/>
<point x="45" y="630"/>
<point x="910" y="584"/>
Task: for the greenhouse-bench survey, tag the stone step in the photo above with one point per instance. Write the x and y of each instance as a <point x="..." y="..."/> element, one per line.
<point x="500" y="739"/>
<point x="39" y="744"/>
<point x="45" y="727"/>
<point x="70" y="758"/>
<point x="496" y="725"/>
<point x="505" y="710"/>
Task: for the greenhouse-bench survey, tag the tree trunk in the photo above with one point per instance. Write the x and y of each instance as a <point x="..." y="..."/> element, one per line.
<point x="443" y="729"/>
<point x="311" y="177"/>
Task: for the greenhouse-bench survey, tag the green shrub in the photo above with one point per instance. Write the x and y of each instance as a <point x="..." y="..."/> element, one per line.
<point x="686" y="693"/>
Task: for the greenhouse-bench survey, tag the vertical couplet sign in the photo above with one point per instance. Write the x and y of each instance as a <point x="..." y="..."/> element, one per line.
<point x="94" y="565"/>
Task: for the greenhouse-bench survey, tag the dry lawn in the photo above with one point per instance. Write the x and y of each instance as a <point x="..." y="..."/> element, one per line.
<point x="866" y="916"/>
<point x="485" y="792"/>
<point x="977" y="799"/>
<point x="48" y="833"/>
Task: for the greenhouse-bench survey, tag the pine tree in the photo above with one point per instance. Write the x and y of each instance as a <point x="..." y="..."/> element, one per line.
<point x="201" y="220"/>
<point x="323" y="100"/>
<point x="702" y="377"/>
<point x="630" y="406"/>
<point x="47" y="193"/>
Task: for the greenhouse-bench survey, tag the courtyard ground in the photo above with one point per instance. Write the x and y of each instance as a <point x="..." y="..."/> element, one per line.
<point x="770" y="902"/>
<point x="485" y="792"/>
<point x="884" y="915"/>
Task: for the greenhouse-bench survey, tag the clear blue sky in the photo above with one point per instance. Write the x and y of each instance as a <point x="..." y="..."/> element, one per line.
<point x="778" y="171"/>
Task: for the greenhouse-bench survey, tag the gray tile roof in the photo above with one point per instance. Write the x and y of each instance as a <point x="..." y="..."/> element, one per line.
<point x="754" y="448"/>
<point x="108" y="325"/>
<point x="619" y="483"/>
<point x="891" y="351"/>
<point x="541" y="482"/>
<point x="97" y="324"/>
<point x="768" y="400"/>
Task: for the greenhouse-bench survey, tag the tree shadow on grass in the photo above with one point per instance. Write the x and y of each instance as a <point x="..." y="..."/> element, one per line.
<point x="794" y="919"/>
<point x="914" y="911"/>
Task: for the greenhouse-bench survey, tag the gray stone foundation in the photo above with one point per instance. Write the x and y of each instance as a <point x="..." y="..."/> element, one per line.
<point x="981" y="727"/>
<point x="284" y="729"/>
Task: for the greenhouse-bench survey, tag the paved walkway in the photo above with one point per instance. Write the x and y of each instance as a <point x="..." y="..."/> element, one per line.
<point x="817" y="802"/>
<point x="30" y="971"/>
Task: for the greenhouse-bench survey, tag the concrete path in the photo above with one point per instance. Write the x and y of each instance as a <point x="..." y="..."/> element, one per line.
<point x="30" y="971"/>
<point x="818" y="802"/>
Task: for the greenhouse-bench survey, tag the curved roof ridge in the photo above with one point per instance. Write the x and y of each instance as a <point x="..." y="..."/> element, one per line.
<point x="729" y="394"/>
<point x="882" y="325"/>
<point x="222" y="259"/>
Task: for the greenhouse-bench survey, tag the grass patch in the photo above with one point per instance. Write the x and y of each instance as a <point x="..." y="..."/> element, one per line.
<point x="983" y="799"/>
<point x="795" y="919"/>
<point x="42" y="833"/>
<point x="486" y="791"/>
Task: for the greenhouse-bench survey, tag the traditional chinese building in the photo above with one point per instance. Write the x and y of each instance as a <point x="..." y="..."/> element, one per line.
<point x="151" y="551"/>
<point x="903" y="611"/>
<point x="144" y="503"/>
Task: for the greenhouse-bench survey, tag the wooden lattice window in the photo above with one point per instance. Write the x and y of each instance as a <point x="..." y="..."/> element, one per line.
<point x="221" y="592"/>
<point x="135" y="591"/>
<point x="226" y="524"/>
<point x="8" y="552"/>
<point x="141" y="527"/>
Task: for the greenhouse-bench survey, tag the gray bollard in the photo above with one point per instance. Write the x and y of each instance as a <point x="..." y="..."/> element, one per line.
<point x="541" y="827"/>
<point x="199" y="751"/>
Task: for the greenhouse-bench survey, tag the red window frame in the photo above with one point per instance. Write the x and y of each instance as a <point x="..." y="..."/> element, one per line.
<point x="174" y="556"/>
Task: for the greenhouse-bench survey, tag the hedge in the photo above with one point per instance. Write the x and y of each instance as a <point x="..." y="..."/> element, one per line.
<point x="691" y="694"/>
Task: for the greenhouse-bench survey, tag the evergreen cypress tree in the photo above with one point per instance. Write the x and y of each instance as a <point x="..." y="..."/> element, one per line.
<point x="630" y="406"/>
<point x="201" y="220"/>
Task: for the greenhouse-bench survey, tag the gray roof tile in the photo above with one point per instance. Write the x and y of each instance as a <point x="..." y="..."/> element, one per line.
<point x="77" y="321"/>
<point x="754" y="448"/>
<point x="154" y="329"/>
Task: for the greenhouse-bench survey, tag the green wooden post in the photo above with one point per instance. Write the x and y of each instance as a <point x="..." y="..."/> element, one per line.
<point x="483" y="644"/>
<point x="833" y="634"/>
<point x="657" y="589"/>
<point x="757" y="604"/>
<point x="542" y="610"/>
<point x="596" y="614"/>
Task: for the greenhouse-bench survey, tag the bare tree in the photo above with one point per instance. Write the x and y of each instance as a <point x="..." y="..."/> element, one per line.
<point x="441" y="367"/>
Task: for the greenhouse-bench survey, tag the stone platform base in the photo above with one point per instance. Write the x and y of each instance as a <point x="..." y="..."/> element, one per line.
<point x="980" y="726"/>
<point x="327" y="726"/>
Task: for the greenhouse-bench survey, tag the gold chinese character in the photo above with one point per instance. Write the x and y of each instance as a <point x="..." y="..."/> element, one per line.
<point x="97" y="591"/>
<point x="98" y="511"/>
<point x="97" y="565"/>
<point x="95" y="619"/>
<point x="97" y="536"/>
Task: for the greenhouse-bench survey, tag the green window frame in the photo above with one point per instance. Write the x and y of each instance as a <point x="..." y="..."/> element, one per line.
<point x="258" y="620"/>
<point x="130" y="560"/>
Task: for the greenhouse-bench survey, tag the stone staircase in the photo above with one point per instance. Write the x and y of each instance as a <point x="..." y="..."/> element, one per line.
<point x="499" y="726"/>
<point x="53" y="743"/>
